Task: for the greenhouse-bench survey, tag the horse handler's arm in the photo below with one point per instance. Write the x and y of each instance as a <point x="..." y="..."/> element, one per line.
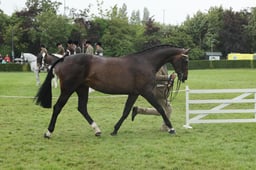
<point x="162" y="77"/>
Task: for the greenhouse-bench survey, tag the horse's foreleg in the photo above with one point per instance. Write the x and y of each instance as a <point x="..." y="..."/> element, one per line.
<point x="152" y="100"/>
<point x="56" y="110"/>
<point x="128" y="106"/>
<point x="82" y="108"/>
<point x="36" y="71"/>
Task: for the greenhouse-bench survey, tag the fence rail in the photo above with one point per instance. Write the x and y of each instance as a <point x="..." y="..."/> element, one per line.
<point x="196" y="116"/>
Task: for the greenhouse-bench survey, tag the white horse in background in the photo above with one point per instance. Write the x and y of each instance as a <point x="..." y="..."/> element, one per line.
<point x="32" y="61"/>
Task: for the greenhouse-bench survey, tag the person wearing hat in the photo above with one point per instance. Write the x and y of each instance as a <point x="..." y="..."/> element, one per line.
<point x="70" y="49"/>
<point x="89" y="48"/>
<point x="99" y="49"/>
<point x="77" y="47"/>
<point x="61" y="50"/>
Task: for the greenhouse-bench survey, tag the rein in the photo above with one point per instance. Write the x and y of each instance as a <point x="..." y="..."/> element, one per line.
<point x="180" y="74"/>
<point x="170" y="90"/>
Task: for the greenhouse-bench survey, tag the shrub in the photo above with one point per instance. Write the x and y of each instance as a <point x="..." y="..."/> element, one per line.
<point x="14" y="67"/>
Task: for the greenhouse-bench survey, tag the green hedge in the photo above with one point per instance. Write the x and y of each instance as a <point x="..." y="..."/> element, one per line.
<point x="215" y="64"/>
<point x="193" y="64"/>
<point x="14" y="67"/>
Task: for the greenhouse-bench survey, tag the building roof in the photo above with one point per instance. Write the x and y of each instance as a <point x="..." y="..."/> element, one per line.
<point x="213" y="53"/>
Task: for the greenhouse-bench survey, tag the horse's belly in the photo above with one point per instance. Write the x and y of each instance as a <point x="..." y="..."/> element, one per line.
<point x="112" y="88"/>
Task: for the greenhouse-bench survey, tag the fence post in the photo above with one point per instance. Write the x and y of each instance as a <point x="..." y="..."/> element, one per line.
<point x="255" y="105"/>
<point x="187" y="109"/>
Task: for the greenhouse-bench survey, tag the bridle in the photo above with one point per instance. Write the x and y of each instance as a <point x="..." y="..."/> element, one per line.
<point x="184" y="64"/>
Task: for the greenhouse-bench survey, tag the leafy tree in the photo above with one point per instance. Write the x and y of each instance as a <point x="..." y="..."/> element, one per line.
<point x="38" y="23"/>
<point x="146" y="15"/>
<point x="118" y="38"/>
<point x="118" y="34"/>
<point x="251" y="29"/>
<point x="215" y="24"/>
<point x="25" y="25"/>
<point x="233" y="36"/>
<point x="4" y="21"/>
<point x="38" y="6"/>
<point x="135" y="17"/>
<point x="177" y="36"/>
<point x="123" y="12"/>
<point x="14" y="33"/>
<point x="52" y="29"/>
<point x="152" y="34"/>
<point x="196" y="27"/>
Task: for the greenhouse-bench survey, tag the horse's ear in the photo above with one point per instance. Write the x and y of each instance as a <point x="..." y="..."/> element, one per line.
<point x="187" y="51"/>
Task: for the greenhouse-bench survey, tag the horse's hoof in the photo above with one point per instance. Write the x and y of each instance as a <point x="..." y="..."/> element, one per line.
<point x="113" y="134"/>
<point x="46" y="136"/>
<point x="97" y="134"/>
<point x="172" y="132"/>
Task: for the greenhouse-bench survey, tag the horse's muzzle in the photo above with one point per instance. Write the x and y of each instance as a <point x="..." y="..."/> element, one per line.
<point x="182" y="77"/>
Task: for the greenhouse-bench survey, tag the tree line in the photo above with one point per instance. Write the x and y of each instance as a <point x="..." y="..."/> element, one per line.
<point x="218" y="29"/>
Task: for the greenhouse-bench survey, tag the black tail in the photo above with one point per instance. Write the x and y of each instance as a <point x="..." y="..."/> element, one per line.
<point x="44" y="94"/>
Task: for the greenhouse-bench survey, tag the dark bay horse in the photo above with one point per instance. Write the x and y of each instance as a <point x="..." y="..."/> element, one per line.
<point x="133" y="74"/>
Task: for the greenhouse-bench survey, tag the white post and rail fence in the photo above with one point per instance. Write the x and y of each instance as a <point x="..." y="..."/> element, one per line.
<point x="196" y="112"/>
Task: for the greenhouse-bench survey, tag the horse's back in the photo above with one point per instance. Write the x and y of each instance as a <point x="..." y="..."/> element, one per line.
<point x="106" y="74"/>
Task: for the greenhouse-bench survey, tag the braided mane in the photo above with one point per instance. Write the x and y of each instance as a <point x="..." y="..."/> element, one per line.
<point x="155" y="47"/>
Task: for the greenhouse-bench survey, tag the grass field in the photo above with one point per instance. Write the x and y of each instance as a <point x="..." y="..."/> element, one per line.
<point x="138" y="145"/>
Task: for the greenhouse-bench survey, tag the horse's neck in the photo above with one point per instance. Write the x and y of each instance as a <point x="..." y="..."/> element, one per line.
<point x="30" y="57"/>
<point x="159" y="58"/>
<point x="50" y="59"/>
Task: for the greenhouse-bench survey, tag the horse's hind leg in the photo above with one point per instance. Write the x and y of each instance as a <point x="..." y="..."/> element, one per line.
<point x="82" y="93"/>
<point x="128" y="105"/>
<point x="62" y="100"/>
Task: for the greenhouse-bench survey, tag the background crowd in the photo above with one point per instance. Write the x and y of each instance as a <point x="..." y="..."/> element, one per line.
<point x="5" y="59"/>
<point x="72" y="47"/>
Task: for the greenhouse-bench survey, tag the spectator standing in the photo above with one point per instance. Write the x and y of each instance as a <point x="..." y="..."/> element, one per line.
<point x="7" y="58"/>
<point x="43" y="49"/>
<point x="99" y="50"/>
<point x="77" y="47"/>
<point x="40" y="59"/>
<point x="61" y="49"/>
<point x="70" y="48"/>
<point x="89" y="48"/>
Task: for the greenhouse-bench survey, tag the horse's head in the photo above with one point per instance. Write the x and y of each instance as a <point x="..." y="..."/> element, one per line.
<point x="23" y="57"/>
<point x="180" y="64"/>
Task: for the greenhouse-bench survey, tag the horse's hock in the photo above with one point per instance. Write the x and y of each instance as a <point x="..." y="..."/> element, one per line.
<point x="216" y="109"/>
